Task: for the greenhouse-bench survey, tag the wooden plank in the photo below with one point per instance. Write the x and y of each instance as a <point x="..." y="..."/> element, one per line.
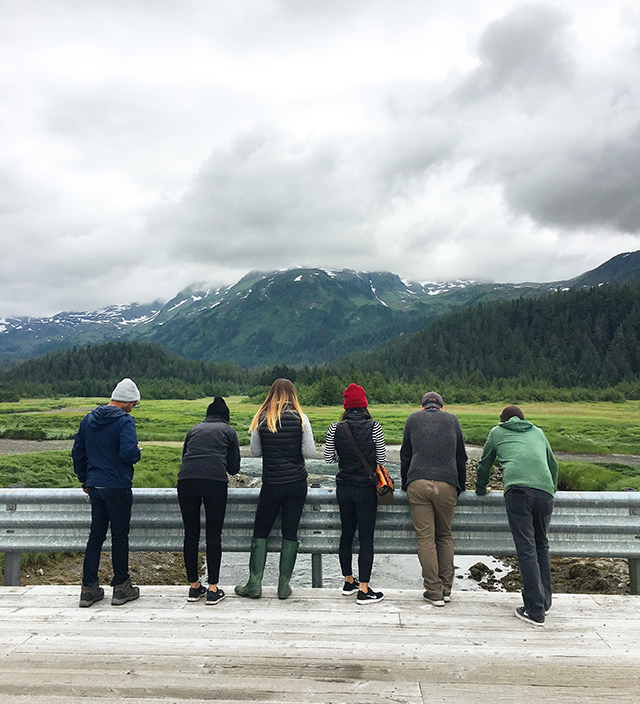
<point x="317" y="647"/>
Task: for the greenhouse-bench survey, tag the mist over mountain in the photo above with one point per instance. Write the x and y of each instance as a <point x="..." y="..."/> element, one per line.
<point x="302" y="315"/>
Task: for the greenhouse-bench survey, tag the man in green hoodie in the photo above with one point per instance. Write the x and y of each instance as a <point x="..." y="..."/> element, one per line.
<point x="530" y="474"/>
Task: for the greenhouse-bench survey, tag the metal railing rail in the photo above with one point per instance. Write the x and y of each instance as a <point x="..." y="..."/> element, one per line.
<point x="584" y="524"/>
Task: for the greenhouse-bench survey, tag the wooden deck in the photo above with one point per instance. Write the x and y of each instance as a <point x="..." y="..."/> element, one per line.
<point x="317" y="646"/>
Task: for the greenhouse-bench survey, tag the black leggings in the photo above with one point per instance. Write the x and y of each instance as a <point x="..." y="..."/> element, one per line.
<point x="191" y="494"/>
<point x="358" y="509"/>
<point x="290" y="499"/>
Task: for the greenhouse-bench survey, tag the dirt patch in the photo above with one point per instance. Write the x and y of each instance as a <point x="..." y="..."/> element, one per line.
<point x="18" y="447"/>
<point x="569" y="575"/>
<point x="495" y="480"/>
<point x="66" y="568"/>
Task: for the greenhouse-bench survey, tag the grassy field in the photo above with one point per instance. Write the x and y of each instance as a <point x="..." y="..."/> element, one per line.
<point x="159" y="465"/>
<point x="600" y="428"/>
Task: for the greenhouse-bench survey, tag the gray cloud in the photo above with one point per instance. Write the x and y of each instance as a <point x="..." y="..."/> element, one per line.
<point x="586" y="186"/>
<point x="528" y="47"/>
<point x="145" y="149"/>
<point x="272" y="198"/>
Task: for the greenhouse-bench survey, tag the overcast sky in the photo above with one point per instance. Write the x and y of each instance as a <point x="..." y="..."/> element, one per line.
<point x="150" y="144"/>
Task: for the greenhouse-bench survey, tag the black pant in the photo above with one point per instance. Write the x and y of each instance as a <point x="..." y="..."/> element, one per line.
<point x="529" y="513"/>
<point x="288" y="498"/>
<point x="191" y="494"/>
<point x="358" y="509"/>
<point x="108" y="506"/>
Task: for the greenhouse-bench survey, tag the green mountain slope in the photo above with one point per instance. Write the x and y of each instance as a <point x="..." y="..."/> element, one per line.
<point x="308" y="315"/>
<point x="588" y="337"/>
<point x="618" y="270"/>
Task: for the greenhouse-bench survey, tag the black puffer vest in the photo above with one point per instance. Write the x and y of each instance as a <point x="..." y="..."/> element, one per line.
<point x="350" y="467"/>
<point x="282" y="460"/>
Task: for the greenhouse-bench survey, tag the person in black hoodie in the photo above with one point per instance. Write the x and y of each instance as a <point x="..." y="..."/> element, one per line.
<point x="104" y="452"/>
<point x="355" y="491"/>
<point x="209" y="454"/>
<point x="280" y="434"/>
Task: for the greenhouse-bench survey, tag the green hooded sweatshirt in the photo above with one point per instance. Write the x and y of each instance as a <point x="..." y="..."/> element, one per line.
<point x="524" y="454"/>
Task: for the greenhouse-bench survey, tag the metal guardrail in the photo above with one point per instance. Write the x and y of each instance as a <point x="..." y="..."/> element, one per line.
<point x="584" y="524"/>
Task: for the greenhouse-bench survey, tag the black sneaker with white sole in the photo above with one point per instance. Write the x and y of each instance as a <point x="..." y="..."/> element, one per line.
<point x="433" y="602"/>
<point x="370" y="597"/>
<point x="195" y="593"/>
<point x="214" y="598"/>
<point x="351" y="587"/>
<point x="524" y="615"/>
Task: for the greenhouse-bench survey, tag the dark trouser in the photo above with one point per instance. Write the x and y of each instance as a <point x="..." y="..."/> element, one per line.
<point x="529" y="512"/>
<point x="192" y="493"/>
<point x="358" y="509"/>
<point x="288" y="498"/>
<point x="108" y="506"/>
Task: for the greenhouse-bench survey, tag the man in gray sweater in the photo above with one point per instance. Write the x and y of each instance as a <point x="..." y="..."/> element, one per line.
<point x="433" y="471"/>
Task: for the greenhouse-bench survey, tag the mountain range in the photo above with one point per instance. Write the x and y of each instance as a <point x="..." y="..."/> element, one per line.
<point x="297" y="316"/>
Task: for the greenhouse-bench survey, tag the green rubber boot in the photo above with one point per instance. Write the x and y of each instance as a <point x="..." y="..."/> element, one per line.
<point x="257" y="560"/>
<point x="288" y="554"/>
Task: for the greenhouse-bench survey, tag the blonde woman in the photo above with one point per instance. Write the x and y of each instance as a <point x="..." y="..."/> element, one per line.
<point x="281" y="435"/>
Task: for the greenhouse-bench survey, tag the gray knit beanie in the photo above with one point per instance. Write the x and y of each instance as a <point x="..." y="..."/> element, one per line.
<point x="126" y="391"/>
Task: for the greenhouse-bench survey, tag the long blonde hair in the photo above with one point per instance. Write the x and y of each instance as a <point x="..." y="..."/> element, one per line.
<point x="281" y="396"/>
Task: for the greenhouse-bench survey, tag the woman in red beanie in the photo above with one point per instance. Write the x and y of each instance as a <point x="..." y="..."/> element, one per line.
<point x="356" y="493"/>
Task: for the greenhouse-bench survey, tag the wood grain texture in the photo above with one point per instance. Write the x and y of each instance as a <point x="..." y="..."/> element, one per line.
<point x="316" y="647"/>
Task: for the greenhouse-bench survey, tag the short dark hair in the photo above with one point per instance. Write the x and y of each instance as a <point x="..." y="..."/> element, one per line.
<point x="364" y="412"/>
<point x="511" y="412"/>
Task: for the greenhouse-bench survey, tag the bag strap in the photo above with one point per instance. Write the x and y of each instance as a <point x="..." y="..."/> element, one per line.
<point x="354" y="445"/>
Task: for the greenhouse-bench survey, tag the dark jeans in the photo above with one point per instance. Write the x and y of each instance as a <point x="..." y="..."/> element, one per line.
<point x="192" y="493"/>
<point x="529" y="512"/>
<point x="108" y="506"/>
<point x="275" y="498"/>
<point x="358" y="509"/>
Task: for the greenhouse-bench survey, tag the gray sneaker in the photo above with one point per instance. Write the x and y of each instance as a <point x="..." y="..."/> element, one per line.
<point x="122" y="593"/>
<point x="89" y="595"/>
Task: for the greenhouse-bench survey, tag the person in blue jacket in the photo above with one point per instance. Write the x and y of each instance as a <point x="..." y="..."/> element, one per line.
<point x="104" y="452"/>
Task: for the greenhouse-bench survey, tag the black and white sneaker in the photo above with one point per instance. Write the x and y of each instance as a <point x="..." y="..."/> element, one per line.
<point x="196" y="593"/>
<point x="433" y="602"/>
<point x="351" y="587"/>
<point x="446" y="597"/>
<point x="524" y="615"/>
<point x="369" y="597"/>
<point x="214" y="597"/>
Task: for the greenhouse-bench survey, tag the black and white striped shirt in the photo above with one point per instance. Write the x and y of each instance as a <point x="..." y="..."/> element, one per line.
<point x="331" y="456"/>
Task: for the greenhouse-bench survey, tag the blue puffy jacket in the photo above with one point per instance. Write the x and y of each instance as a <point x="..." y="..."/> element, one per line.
<point x="106" y="448"/>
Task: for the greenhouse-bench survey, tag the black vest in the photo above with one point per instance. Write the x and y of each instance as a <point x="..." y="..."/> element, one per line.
<point x="350" y="467"/>
<point x="282" y="460"/>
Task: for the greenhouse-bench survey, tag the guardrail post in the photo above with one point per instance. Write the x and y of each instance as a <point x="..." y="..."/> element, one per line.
<point x="316" y="570"/>
<point x="634" y="575"/>
<point x="12" y="566"/>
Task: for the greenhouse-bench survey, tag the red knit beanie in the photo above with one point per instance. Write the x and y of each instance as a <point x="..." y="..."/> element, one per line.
<point x="355" y="397"/>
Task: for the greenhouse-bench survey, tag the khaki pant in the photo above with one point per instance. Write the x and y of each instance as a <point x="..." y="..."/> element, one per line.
<point x="432" y="507"/>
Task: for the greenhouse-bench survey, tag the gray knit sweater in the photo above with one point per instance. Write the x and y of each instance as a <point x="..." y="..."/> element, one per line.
<point x="433" y="448"/>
